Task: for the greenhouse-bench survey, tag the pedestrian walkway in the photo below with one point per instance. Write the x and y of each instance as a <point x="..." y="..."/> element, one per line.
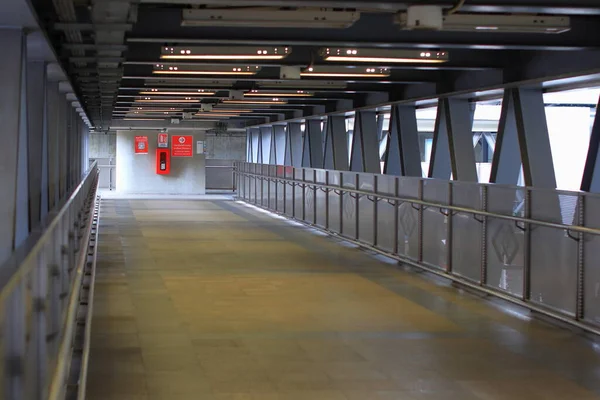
<point x="216" y="300"/>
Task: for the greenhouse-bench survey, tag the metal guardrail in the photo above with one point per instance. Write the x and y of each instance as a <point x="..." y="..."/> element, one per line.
<point x="537" y="248"/>
<point x="40" y="293"/>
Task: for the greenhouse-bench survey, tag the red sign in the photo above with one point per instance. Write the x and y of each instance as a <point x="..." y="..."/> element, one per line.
<point x="163" y="140"/>
<point x="141" y="145"/>
<point x="182" y="146"/>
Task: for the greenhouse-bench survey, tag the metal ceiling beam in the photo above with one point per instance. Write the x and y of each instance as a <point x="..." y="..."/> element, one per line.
<point x="73" y="26"/>
<point x="574" y="7"/>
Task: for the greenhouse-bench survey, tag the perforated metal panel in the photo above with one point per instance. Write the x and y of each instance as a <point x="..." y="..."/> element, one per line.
<point x="553" y="252"/>
<point x="386" y="214"/>
<point x="466" y="231"/>
<point x="505" y="242"/>
<point x="435" y="224"/>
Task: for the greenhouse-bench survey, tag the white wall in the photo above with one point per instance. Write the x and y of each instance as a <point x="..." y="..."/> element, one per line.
<point x="136" y="173"/>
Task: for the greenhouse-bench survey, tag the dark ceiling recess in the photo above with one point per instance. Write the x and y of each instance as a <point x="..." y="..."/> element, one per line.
<point x="220" y="60"/>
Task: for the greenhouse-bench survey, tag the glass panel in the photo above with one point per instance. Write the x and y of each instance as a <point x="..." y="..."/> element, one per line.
<point x="349" y="206"/>
<point x="466" y="231"/>
<point x="321" y="199"/>
<point x="435" y="224"/>
<point x="386" y="213"/>
<point x="505" y="241"/>
<point x="366" y="207"/>
<point x="334" y="203"/>
<point x="408" y="218"/>
<point x="553" y="252"/>
<point x="309" y="196"/>
<point x="591" y="265"/>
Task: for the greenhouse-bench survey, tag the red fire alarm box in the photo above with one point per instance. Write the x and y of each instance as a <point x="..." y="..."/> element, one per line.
<point x="163" y="162"/>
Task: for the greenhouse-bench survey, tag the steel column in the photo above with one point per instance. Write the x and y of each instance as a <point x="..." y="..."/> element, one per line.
<point x="336" y="144"/>
<point x="248" y="145"/>
<point x="402" y="156"/>
<point x="266" y="135"/>
<point x="365" y="148"/>
<point x="534" y="140"/>
<point x="293" y="144"/>
<point x="312" y="154"/>
<point x="255" y="139"/>
<point x="13" y="155"/>
<point x="36" y="103"/>
<point x="591" y="173"/>
<point x="53" y="144"/>
<point x="453" y="142"/>
<point x="62" y="145"/>
<point x="278" y="145"/>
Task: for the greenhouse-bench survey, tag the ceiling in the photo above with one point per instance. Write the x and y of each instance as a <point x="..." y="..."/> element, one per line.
<point x="112" y="50"/>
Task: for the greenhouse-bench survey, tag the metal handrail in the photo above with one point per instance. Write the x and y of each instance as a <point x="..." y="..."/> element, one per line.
<point x="264" y="188"/>
<point x="39" y="289"/>
<point x="574" y="228"/>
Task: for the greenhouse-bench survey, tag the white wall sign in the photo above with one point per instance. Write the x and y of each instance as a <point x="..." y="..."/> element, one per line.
<point x="200" y="147"/>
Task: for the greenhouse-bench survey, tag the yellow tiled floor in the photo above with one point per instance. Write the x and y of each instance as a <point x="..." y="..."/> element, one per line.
<point x="215" y="300"/>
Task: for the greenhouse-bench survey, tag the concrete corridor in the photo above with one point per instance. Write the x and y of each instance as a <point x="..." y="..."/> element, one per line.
<point x="217" y="300"/>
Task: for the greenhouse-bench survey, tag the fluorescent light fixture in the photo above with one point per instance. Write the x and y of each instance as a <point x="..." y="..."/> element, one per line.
<point x="199" y="92"/>
<point x="181" y="69"/>
<point x="352" y="54"/>
<point x="270" y="18"/>
<point x="230" y="110"/>
<point x="252" y="102"/>
<point x="216" y="115"/>
<point x="307" y="84"/>
<point x="147" y="109"/>
<point x="178" y="101"/>
<point x="498" y="23"/>
<point x="278" y="93"/>
<point x="346" y="72"/>
<point x="224" y="53"/>
<point x="143" y="119"/>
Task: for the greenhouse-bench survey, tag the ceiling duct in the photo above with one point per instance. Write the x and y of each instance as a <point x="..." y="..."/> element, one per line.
<point x="490" y="23"/>
<point x="270" y="18"/>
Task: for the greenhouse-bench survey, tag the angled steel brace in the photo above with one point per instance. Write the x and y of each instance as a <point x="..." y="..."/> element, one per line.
<point x="402" y="156"/>
<point x="336" y="144"/>
<point x="365" y="148"/>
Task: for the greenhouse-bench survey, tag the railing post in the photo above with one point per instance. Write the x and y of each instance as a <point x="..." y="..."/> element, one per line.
<point x="484" y="233"/>
<point x="327" y="200"/>
<point x="375" y="202"/>
<point x="527" y="248"/>
<point x="14" y="344"/>
<point x="341" y="203"/>
<point x="420" y="224"/>
<point x="357" y="207"/>
<point x="38" y="338"/>
<point x="580" y="302"/>
<point x="449" y="229"/>
<point x="396" y="194"/>
<point x="303" y="194"/>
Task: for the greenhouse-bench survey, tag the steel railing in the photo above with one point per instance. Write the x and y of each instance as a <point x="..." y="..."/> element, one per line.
<point x="40" y="294"/>
<point x="537" y="248"/>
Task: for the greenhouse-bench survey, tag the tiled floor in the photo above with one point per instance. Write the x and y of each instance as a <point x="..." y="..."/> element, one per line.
<point x="215" y="300"/>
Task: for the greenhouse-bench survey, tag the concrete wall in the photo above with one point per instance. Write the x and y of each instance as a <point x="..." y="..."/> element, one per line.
<point x="102" y="145"/>
<point x="226" y="146"/>
<point x="136" y="173"/>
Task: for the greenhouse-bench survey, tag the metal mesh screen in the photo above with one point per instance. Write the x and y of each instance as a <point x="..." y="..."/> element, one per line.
<point x="435" y="230"/>
<point x="466" y="231"/>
